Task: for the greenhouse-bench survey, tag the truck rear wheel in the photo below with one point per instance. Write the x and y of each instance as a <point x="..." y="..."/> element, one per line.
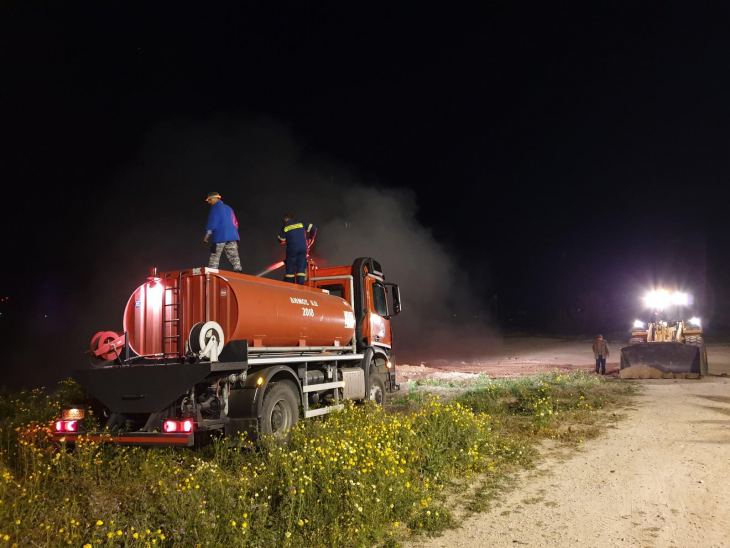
<point x="280" y="409"/>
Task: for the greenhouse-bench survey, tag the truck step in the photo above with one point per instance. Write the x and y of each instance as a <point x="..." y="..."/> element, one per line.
<point x="323" y="386"/>
<point x="323" y="410"/>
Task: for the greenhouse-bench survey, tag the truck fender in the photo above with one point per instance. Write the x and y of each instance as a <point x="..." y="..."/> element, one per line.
<point x="379" y="353"/>
<point x="367" y="360"/>
<point x="246" y="402"/>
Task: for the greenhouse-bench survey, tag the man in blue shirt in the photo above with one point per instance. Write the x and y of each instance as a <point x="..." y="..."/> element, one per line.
<point x="221" y="232"/>
<point x="297" y="237"/>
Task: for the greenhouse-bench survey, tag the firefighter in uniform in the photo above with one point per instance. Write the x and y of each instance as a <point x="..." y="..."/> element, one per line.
<point x="297" y="237"/>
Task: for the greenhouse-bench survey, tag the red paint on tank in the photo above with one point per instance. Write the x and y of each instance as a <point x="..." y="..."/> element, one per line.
<point x="261" y="311"/>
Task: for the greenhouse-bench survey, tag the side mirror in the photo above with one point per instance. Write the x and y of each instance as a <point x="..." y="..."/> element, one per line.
<point x="395" y="298"/>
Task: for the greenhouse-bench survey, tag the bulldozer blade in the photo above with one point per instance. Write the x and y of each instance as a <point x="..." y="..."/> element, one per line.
<point x="661" y="360"/>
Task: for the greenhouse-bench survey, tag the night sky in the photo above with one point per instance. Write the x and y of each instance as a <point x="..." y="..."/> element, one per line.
<point x="546" y="162"/>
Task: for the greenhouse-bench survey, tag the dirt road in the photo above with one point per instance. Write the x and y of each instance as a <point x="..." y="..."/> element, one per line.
<point x="660" y="478"/>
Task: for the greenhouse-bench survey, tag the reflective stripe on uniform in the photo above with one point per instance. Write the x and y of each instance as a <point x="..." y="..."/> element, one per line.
<point x="293" y="227"/>
<point x="288" y="275"/>
<point x="309" y="228"/>
<point x="281" y="239"/>
<point x="301" y="273"/>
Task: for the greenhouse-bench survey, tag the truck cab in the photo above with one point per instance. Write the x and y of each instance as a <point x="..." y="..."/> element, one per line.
<point x="375" y="302"/>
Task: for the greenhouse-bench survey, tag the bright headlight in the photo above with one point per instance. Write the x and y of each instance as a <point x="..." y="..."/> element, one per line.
<point x="659" y="299"/>
<point x="696" y="321"/>
<point x="638" y="324"/>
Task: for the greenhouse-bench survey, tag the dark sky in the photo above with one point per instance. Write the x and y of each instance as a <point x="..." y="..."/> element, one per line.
<point x="563" y="156"/>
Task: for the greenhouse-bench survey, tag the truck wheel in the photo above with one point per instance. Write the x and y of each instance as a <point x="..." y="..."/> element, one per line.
<point x="377" y="388"/>
<point x="280" y="410"/>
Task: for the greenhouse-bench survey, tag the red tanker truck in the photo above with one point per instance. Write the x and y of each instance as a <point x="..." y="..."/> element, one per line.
<point x="205" y="351"/>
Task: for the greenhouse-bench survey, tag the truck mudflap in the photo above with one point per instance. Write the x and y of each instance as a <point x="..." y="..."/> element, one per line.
<point x="662" y="360"/>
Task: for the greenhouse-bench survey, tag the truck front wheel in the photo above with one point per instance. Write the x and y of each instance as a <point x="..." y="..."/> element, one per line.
<point x="377" y="388"/>
<point x="280" y="409"/>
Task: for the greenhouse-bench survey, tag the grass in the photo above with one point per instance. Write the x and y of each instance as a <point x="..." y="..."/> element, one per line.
<point x="365" y="476"/>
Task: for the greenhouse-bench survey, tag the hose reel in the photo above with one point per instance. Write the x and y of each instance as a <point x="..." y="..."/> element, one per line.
<point x="206" y="340"/>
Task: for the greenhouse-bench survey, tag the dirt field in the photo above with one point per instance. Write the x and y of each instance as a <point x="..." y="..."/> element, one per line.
<point x="658" y="478"/>
<point x="516" y="357"/>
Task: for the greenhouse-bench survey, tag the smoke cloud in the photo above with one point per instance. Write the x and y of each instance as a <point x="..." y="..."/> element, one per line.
<point x="153" y="214"/>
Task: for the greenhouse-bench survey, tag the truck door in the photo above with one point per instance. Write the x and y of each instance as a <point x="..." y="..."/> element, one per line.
<point x="378" y="321"/>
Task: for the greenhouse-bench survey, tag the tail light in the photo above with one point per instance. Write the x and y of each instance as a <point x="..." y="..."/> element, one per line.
<point x="172" y="426"/>
<point x="67" y="426"/>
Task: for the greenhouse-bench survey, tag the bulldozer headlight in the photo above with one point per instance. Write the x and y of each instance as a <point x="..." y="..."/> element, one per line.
<point x="638" y="324"/>
<point x="659" y="299"/>
<point x="695" y="321"/>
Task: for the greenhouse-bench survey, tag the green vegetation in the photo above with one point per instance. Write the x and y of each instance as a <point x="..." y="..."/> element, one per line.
<point x="365" y="476"/>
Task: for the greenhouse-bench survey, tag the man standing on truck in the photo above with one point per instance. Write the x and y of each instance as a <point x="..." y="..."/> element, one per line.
<point x="298" y="238"/>
<point x="600" y="352"/>
<point x="221" y="232"/>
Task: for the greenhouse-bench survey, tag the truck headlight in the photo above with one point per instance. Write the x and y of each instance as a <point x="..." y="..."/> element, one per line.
<point x="695" y="321"/>
<point x="638" y="324"/>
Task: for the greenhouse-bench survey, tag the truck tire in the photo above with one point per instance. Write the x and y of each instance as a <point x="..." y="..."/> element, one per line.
<point x="280" y="409"/>
<point x="377" y="388"/>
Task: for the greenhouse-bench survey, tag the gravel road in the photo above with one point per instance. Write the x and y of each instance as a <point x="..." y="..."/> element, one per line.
<point x="658" y="478"/>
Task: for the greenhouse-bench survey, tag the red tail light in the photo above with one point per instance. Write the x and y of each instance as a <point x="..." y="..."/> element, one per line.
<point x="171" y="426"/>
<point x="67" y="426"/>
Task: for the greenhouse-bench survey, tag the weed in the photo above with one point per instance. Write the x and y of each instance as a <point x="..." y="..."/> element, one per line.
<point x="364" y="476"/>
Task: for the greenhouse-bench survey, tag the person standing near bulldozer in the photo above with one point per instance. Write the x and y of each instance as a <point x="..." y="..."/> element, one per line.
<point x="600" y="352"/>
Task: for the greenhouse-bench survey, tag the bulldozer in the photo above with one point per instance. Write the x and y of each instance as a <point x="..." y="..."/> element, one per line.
<point x="667" y="346"/>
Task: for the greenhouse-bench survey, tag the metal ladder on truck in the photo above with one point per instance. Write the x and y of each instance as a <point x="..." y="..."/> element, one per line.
<point x="171" y="318"/>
